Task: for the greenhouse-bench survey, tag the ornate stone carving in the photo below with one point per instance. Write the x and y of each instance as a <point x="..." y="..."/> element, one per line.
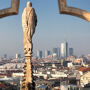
<point x="29" y="22"/>
<point x="64" y="9"/>
<point x="10" y="11"/>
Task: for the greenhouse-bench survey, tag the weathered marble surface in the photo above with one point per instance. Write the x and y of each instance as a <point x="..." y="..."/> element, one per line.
<point x="29" y="22"/>
<point x="64" y="9"/>
<point x="10" y="11"/>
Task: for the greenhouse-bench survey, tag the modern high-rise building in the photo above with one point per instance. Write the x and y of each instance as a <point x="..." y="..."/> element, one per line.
<point x="64" y="50"/>
<point x="47" y="53"/>
<point x="70" y="51"/>
<point x="39" y="54"/>
<point x="5" y="55"/>
<point x="56" y="51"/>
<point x="18" y="55"/>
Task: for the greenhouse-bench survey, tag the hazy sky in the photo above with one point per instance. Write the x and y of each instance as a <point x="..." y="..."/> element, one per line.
<point x="52" y="28"/>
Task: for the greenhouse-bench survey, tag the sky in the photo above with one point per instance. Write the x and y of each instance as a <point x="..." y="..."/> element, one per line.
<point x="52" y="28"/>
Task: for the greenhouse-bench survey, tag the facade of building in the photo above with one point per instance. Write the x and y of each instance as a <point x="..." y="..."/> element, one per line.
<point x="85" y="79"/>
<point x="64" y="50"/>
<point x="39" y="54"/>
<point x="47" y="53"/>
<point x="70" y="51"/>
<point x="56" y="51"/>
<point x="84" y="75"/>
<point x="5" y="55"/>
<point x="18" y="55"/>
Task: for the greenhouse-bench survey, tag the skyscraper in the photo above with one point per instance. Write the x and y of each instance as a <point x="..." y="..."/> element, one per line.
<point x="70" y="51"/>
<point x="56" y="51"/>
<point x="39" y="54"/>
<point x="47" y="53"/>
<point x="5" y="56"/>
<point x="64" y="50"/>
<point x="18" y="55"/>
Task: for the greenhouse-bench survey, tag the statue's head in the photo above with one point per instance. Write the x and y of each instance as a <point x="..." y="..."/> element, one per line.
<point x="29" y="4"/>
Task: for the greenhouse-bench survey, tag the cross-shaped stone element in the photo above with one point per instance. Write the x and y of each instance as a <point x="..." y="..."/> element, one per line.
<point x="64" y="9"/>
<point x="10" y="11"/>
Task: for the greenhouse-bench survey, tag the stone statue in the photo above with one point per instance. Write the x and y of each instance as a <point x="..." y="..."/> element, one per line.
<point x="29" y="22"/>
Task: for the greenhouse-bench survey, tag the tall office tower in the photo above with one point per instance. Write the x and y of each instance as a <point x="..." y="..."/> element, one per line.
<point x="16" y="56"/>
<point x="64" y="50"/>
<point x="56" y="51"/>
<point x="47" y="53"/>
<point x="5" y="55"/>
<point x="19" y="55"/>
<point x="39" y="54"/>
<point x="70" y="51"/>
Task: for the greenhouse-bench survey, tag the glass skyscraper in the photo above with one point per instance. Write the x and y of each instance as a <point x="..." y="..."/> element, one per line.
<point x="56" y="51"/>
<point x="64" y="50"/>
<point x="39" y="54"/>
<point x="47" y="53"/>
<point x="70" y="51"/>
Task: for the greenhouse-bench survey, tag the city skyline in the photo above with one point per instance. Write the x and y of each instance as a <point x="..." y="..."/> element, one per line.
<point x="52" y="28"/>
